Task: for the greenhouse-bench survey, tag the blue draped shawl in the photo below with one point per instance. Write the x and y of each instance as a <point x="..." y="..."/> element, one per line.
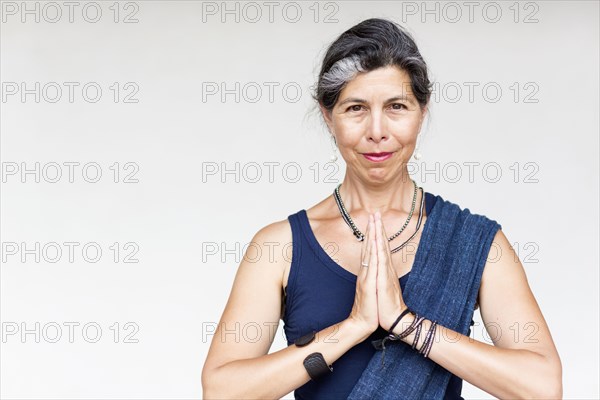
<point x="443" y="286"/>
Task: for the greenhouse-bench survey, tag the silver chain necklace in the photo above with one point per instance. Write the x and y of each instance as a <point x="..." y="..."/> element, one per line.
<point x="360" y="236"/>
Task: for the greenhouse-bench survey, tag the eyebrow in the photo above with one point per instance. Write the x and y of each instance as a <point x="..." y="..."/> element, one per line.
<point x="357" y="100"/>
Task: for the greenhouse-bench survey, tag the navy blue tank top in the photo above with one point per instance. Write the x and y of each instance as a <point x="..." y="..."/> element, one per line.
<point x="320" y="293"/>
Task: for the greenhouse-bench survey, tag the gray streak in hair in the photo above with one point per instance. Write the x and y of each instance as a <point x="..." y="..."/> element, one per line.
<point x="373" y="43"/>
<point x="341" y="73"/>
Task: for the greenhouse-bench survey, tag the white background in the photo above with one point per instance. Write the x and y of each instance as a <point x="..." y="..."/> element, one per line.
<point x="545" y="146"/>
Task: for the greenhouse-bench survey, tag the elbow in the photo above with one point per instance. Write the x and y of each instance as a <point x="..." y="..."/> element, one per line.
<point x="558" y="393"/>
<point x="555" y="383"/>
<point x="218" y="393"/>
<point x="555" y="379"/>
<point x="212" y="388"/>
<point x="549" y="389"/>
<point x="552" y="390"/>
<point x="550" y="382"/>
<point x="209" y="391"/>
<point x="206" y="389"/>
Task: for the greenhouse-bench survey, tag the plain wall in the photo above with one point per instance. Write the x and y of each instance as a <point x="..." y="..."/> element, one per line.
<point x="198" y="175"/>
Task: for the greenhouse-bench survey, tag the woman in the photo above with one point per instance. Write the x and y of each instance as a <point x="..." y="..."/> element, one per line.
<point x="380" y="296"/>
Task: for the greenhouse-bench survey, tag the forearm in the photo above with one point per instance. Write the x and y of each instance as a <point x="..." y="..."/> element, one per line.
<point x="504" y="373"/>
<point x="276" y="374"/>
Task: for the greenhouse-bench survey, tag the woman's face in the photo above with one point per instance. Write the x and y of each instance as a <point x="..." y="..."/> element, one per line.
<point x="376" y="112"/>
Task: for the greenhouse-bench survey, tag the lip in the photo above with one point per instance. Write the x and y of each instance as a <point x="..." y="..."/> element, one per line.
<point x="377" y="157"/>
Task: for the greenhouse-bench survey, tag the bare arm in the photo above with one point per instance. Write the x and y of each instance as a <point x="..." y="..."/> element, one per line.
<point x="237" y="365"/>
<point x="523" y="362"/>
<point x="276" y="374"/>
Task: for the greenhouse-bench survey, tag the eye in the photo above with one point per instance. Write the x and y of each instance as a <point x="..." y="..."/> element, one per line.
<point x="401" y="106"/>
<point x="354" y="107"/>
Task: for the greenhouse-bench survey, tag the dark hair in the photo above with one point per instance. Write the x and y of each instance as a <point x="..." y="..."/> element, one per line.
<point x="371" y="44"/>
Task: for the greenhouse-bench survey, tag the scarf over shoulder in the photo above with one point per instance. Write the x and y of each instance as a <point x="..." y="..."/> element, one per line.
<point x="442" y="286"/>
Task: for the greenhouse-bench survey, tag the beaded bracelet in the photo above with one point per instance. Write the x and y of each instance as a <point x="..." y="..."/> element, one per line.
<point x="431" y="343"/>
<point x="416" y="324"/>
<point x="379" y="344"/>
<point x="402" y="314"/>
<point x="428" y="343"/>
<point x="417" y="334"/>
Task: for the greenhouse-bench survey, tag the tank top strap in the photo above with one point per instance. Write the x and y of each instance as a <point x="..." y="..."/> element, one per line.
<point x="298" y="243"/>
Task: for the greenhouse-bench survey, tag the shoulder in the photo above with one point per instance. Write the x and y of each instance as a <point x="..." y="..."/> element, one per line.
<point x="471" y="218"/>
<point x="470" y="227"/>
<point x="279" y="229"/>
<point x="496" y="253"/>
<point x="276" y="235"/>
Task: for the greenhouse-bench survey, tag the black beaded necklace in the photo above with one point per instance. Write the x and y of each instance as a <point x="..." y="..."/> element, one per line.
<point x="360" y="236"/>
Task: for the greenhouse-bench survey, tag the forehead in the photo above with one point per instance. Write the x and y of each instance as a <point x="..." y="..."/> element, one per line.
<point x="384" y="81"/>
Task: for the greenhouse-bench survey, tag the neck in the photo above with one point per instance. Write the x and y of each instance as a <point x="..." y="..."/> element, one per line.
<point x="360" y="196"/>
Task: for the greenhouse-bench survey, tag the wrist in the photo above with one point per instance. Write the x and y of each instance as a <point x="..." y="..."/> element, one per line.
<point x="406" y="322"/>
<point x="359" y="331"/>
<point x="398" y="317"/>
<point x="409" y="330"/>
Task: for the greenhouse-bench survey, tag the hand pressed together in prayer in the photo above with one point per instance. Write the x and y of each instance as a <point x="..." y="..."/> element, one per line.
<point x="378" y="300"/>
<point x="390" y="302"/>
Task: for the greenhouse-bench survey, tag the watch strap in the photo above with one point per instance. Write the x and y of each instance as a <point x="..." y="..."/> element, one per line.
<point x="306" y="339"/>
<point x="316" y="366"/>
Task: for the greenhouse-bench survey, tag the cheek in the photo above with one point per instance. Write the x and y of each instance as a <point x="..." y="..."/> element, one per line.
<point x="349" y="133"/>
<point x="406" y="131"/>
<point x="349" y="136"/>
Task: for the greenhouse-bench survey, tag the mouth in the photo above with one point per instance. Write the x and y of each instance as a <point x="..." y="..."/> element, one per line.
<point x="377" y="157"/>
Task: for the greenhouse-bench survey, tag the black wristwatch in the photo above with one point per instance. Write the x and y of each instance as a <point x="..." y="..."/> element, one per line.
<point x="316" y="366"/>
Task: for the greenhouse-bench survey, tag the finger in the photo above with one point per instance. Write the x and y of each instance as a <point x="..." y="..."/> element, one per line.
<point x="372" y="273"/>
<point x="388" y="251"/>
<point x="364" y="258"/>
<point x="385" y="237"/>
<point x="381" y="256"/>
<point x="366" y="253"/>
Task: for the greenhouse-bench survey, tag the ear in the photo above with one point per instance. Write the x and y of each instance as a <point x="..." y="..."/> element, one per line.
<point x="327" y="117"/>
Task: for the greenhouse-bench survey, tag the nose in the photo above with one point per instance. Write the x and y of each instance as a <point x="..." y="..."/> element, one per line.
<point x="377" y="127"/>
